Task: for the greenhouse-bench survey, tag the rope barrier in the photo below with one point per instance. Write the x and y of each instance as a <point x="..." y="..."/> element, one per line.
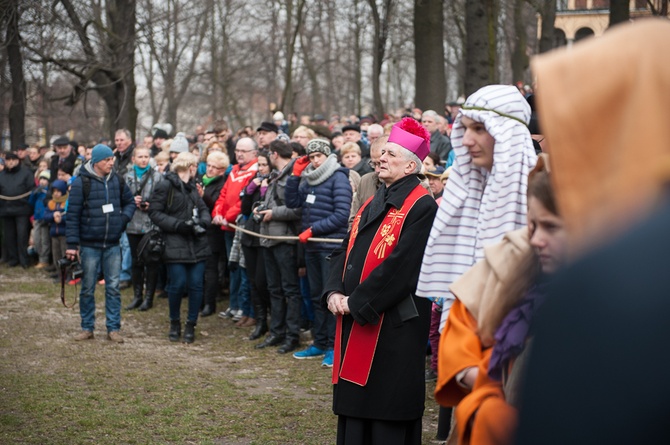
<point x="283" y="237"/>
<point x="14" y="198"/>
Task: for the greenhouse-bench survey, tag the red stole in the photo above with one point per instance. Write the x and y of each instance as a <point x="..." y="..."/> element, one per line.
<point x="357" y="361"/>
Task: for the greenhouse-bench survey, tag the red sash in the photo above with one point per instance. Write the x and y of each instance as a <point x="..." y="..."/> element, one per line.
<point x="357" y="361"/>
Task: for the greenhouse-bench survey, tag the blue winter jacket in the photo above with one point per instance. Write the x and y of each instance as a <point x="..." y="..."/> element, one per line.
<point x="327" y="213"/>
<point x="36" y="200"/>
<point x="87" y="223"/>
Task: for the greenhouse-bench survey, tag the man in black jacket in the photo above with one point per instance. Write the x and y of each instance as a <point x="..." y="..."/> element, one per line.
<point x="16" y="180"/>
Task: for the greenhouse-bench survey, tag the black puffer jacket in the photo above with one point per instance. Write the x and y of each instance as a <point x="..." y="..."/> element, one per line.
<point x="173" y="202"/>
<point x="16" y="182"/>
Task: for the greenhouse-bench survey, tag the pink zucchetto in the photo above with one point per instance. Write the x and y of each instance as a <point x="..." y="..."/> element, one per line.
<point x="410" y="134"/>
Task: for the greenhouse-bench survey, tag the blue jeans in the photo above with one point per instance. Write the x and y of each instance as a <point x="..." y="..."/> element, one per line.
<point x="92" y="261"/>
<point x="323" y="330"/>
<point x="126" y="258"/>
<point x="183" y="275"/>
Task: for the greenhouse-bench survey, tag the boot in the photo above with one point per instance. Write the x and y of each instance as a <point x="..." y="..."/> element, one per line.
<point x="261" y="323"/>
<point x="147" y="303"/>
<point x="189" y="332"/>
<point x="137" y="296"/>
<point x="175" y="330"/>
<point x="152" y="277"/>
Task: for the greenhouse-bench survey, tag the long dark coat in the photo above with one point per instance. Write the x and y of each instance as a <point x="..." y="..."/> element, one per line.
<point x="396" y="386"/>
<point x="173" y="202"/>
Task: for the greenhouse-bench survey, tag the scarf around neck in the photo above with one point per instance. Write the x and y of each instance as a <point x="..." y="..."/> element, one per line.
<point x="320" y="174"/>
<point x="141" y="171"/>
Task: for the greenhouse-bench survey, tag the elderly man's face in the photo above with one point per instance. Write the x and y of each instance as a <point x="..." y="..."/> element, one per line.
<point x="63" y="151"/>
<point x="430" y="123"/>
<point x="122" y="142"/>
<point x="352" y="136"/>
<point x="392" y="164"/>
<point x="265" y="137"/>
<point x="244" y="151"/>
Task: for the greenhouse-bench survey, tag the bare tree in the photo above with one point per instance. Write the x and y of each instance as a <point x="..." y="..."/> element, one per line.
<point x="100" y="55"/>
<point x="174" y="36"/>
<point x="481" y="44"/>
<point x="9" y="17"/>
<point x="430" y="85"/>
<point x="292" y="26"/>
<point x="547" y="11"/>
<point x="381" y="20"/>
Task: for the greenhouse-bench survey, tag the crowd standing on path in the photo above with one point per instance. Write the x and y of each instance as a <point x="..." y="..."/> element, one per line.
<point x="415" y="247"/>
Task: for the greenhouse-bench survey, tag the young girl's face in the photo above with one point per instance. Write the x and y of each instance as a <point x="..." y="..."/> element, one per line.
<point x="56" y="193"/>
<point x="162" y="165"/>
<point x="42" y="166"/>
<point x="44" y="182"/>
<point x="547" y="236"/>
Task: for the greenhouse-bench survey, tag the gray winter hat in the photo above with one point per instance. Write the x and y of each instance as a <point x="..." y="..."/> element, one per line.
<point x="320" y="145"/>
<point x="179" y="143"/>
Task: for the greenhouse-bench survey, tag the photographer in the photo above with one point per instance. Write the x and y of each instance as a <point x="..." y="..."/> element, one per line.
<point x="141" y="180"/>
<point x="179" y="211"/>
<point x="99" y="208"/>
<point x="254" y="193"/>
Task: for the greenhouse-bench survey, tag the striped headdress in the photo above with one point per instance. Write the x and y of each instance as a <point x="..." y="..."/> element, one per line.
<point x="478" y="207"/>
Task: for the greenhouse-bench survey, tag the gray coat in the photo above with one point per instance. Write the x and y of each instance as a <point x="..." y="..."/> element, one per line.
<point x="285" y="221"/>
<point x="141" y="223"/>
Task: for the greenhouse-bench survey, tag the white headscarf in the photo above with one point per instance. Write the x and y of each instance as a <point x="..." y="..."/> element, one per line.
<point x="478" y="207"/>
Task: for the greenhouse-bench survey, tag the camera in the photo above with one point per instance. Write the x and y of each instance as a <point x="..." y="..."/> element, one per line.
<point x="198" y="230"/>
<point x="144" y="205"/>
<point x="72" y="269"/>
<point x="257" y="216"/>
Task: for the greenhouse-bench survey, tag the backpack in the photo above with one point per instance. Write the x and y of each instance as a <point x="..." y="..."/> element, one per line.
<point x="86" y="187"/>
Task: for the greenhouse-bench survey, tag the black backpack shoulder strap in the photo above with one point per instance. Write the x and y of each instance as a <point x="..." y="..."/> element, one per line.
<point x="86" y="188"/>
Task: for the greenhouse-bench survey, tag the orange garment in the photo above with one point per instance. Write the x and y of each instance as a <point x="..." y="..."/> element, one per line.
<point x="482" y="415"/>
<point x="608" y="140"/>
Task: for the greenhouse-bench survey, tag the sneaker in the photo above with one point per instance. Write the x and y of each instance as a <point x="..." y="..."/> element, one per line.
<point x="237" y="315"/>
<point x="114" y="336"/>
<point x="84" y="335"/>
<point x="73" y="282"/>
<point x="328" y="359"/>
<point x="228" y="313"/>
<point x="310" y="352"/>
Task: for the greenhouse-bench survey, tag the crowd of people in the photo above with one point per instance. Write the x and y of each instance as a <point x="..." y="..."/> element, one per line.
<point x="439" y="232"/>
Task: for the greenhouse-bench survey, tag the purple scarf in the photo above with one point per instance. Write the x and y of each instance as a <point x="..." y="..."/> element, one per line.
<point x="511" y="335"/>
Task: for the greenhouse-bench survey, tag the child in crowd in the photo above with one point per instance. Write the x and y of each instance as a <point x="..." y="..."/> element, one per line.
<point x="54" y="214"/>
<point x="40" y="235"/>
<point x="162" y="162"/>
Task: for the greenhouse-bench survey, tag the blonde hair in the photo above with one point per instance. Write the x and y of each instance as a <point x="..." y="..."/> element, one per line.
<point x="205" y="152"/>
<point x="308" y="132"/>
<point x="220" y="158"/>
<point x="184" y="161"/>
<point x="162" y="157"/>
<point x="349" y="147"/>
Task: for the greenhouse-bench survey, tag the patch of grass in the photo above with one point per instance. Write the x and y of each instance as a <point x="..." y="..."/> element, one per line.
<point x="219" y="390"/>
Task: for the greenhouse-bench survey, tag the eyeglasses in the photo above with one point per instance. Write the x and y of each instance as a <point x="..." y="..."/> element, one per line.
<point x="215" y="167"/>
<point x="373" y="164"/>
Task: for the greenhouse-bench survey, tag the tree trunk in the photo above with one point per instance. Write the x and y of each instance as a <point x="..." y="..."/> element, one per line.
<point x="547" y="11"/>
<point x="519" y="55"/>
<point x="17" y="109"/>
<point x="291" y="37"/>
<point x="381" y="29"/>
<point x="430" y="83"/>
<point x="619" y="12"/>
<point x="480" y="45"/>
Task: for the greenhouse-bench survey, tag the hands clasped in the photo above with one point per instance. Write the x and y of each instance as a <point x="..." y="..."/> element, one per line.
<point x="338" y="303"/>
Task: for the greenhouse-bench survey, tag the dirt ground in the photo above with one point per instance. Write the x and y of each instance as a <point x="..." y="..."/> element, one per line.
<point x="219" y="390"/>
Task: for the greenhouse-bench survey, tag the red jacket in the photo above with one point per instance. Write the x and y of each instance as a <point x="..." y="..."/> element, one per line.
<point x="229" y="204"/>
